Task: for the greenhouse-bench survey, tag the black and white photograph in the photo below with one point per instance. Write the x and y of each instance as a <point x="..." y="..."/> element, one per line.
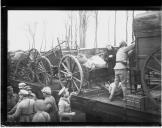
<point x="76" y="67"/>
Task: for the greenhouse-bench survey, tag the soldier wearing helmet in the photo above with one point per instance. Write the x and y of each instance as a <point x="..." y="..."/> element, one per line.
<point x="25" y="108"/>
<point x="31" y="94"/>
<point x="12" y="98"/>
<point x="65" y="112"/>
<point x="121" y="68"/>
<point x="50" y="104"/>
<point x="21" y="86"/>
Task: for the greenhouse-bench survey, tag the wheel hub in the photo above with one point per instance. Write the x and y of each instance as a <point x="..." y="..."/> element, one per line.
<point x="69" y="76"/>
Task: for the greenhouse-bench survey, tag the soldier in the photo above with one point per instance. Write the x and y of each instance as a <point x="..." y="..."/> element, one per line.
<point x="31" y="94"/>
<point x="12" y="98"/>
<point x="25" y="108"/>
<point x="20" y="86"/>
<point x="50" y="104"/>
<point x="64" y="106"/>
<point x="40" y="115"/>
<point x="121" y="68"/>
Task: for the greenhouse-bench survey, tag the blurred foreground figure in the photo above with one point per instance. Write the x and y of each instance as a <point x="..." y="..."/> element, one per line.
<point x="64" y="106"/>
<point x="12" y="98"/>
<point x="40" y="115"/>
<point x="50" y="104"/>
<point x="25" y="108"/>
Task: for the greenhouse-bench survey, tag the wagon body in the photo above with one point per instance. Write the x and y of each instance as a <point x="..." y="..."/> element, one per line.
<point x="145" y="63"/>
<point x="147" y="30"/>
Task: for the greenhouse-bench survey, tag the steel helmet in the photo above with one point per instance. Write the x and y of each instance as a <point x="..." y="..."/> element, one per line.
<point x="21" y="85"/>
<point x="27" y="88"/>
<point x="122" y="43"/>
<point x="46" y="90"/>
<point x="23" y="92"/>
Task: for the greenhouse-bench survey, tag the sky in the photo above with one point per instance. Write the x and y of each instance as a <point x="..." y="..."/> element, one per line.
<point x="50" y="25"/>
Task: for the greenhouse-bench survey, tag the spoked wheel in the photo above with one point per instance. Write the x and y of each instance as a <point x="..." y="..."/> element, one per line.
<point x="70" y="73"/>
<point x="23" y="72"/>
<point x="43" y="70"/>
<point x="151" y="77"/>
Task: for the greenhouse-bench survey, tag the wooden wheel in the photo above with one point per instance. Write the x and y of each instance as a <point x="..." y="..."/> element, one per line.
<point x="151" y="77"/>
<point x="43" y="70"/>
<point x="70" y="73"/>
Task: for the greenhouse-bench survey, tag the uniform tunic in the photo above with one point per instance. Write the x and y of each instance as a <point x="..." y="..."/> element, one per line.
<point x="53" y="111"/>
<point x="11" y="101"/>
<point x="41" y="116"/>
<point x="24" y="110"/>
<point x="64" y="105"/>
<point x="122" y="55"/>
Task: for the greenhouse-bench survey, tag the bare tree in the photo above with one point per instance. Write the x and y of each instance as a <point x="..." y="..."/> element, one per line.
<point x="115" y="30"/>
<point x="32" y="33"/>
<point x="126" y="26"/>
<point x="83" y="17"/>
<point x="96" y="19"/>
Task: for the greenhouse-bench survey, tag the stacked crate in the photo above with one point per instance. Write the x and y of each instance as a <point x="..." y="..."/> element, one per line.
<point x="136" y="102"/>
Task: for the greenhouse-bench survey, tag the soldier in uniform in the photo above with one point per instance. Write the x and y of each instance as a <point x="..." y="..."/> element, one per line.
<point x="50" y="104"/>
<point x="12" y="98"/>
<point x="25" y="108"/>
<point x="20" y="86"/>
<point x="31" y="94"/>
<point x="121" y="68"/>
<point x="64" y="106"/>
<point x="40" y="115"/>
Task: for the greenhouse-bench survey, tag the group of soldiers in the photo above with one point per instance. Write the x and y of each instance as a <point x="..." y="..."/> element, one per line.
<point x="26" y="107"/>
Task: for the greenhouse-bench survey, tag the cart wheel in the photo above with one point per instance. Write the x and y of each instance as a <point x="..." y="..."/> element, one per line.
<point x="151" y="77"/>
<point x="70" y="73"/>
<point x="43" y="70"/>
<point x="23" y="72"/>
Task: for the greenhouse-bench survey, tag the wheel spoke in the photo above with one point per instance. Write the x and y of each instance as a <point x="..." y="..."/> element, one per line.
<point x="154" y="87"/>
<point x="64" y="72"/>
<point x="66" y="84"/>
<point x="75" y="85"/>
<point x="156" y="60"/>
<point x="72" y="83"/>
<point x="65" y="67"/>
<point x="76" y="79"/>
<point x="76" y="73"/>
<point x="68" y="66"/>
<point x="152" y="69"/>
<point x="73" y="67"/>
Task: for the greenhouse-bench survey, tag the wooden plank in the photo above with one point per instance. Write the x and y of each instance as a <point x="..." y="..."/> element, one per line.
<point x="105" y="110"/>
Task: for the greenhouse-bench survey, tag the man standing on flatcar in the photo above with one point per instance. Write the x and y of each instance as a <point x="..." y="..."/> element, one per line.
<point x="121" y="68"/>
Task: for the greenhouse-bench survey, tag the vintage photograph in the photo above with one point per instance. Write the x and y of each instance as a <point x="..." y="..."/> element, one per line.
<point x="93" y="66"/>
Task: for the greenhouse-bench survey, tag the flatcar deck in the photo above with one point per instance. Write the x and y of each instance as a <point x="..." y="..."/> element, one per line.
<point x="115" y="111"/>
